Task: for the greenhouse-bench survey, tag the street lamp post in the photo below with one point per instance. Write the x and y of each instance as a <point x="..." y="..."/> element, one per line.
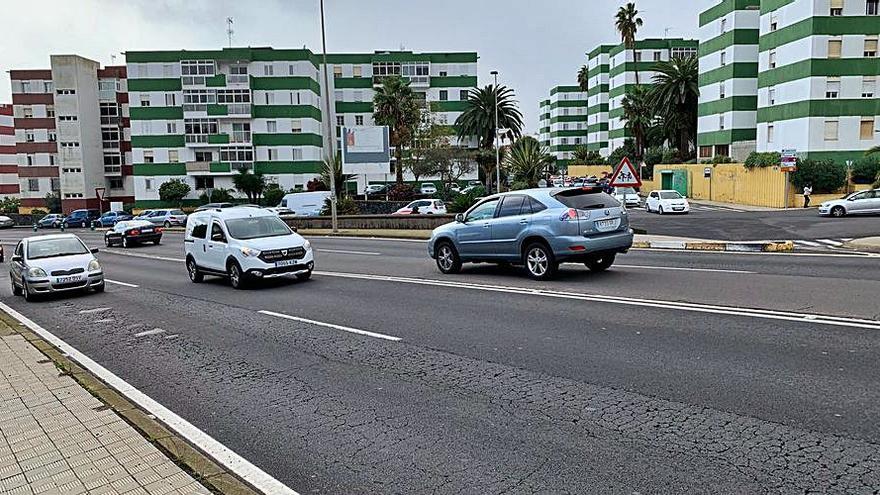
<point x="331" y="155"/>
<point x="497" y="147"/>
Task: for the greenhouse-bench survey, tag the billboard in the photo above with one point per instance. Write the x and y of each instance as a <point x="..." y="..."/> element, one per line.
<point x="366" y="150"/>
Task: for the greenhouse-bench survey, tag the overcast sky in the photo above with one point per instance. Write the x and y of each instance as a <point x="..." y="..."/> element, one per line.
<point x="535" y="44"/>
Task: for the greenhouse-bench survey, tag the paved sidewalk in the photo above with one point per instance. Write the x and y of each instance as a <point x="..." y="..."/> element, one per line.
<point x="56" y="438"/>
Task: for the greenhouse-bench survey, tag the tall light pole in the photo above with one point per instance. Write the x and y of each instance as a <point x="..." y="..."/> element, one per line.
<point x="331" y="154"/>
<point x="497" y="147"/>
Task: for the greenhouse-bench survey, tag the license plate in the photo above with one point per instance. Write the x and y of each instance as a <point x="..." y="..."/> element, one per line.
<point x="285" y="263"/>
<point x="147" y="231"/>
<point x="67" y="280"/>
<point x="607" y="224"/>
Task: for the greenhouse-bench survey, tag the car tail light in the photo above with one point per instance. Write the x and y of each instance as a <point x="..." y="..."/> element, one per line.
<point x="135" y="232"/>
<point x="570" y="214"/>
<point x="158" y="229"/>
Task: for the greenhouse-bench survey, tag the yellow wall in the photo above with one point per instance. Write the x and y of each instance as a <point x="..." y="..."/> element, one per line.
<point x="588" y="170"/>
<point x="731" y="183"/>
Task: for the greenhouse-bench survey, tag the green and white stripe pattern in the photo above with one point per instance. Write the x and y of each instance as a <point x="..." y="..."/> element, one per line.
<point x="567" y="118"/>
<point x="544" y="124"/>
<point x="597" y="99"/>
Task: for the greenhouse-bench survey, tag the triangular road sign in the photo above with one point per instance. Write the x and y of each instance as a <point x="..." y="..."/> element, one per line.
<point x="625" y="175"/>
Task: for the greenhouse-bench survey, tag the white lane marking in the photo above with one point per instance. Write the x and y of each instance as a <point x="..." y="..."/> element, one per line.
<point x="626" y="301"/>
<point x="683" y="269"/>
<point x="155" y="331"/>
<point x="808" y="243"/>
<point x="124" y="284"/>
<point x="93" y="310"/>
<point x="331" y="325"/>
<point x="342" y="251"/>
<point x="353" y="238"/>
<point x="258" y="478"/>
<point x="830" y="242"/>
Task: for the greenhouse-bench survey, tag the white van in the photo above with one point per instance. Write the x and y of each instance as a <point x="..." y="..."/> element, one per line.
<point x="306" y="204"/>
<point x="244" y="244"/>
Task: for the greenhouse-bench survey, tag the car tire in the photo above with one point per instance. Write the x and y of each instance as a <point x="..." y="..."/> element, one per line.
<point x="838" y="212"/>
<point x="26" y="292"/>
<point x="167" y="224"/>
<point x="125" y="243"/>
<point x="195" y="275"/>
<point x="157" y="241"/>
<point x="601" y="264"/>
<point x="107" y="242"/>
<point x="660" y="210"/>
<point x="539" y="261"/>
<point x="236" y="275"/>
<point x="99" y="288"/>
<point x="448" y="259"/>
<point x="56" y="225"/>
<point x="16" y="290"/>
<point x="302" y="277"/>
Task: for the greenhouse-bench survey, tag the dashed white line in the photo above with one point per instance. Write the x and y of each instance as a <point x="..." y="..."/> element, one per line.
<point x="342" y="251"/>
<point x="331" y="325"/>
<point x="808" y="243"/>
<point x="124" y="284"/>
<point x="155" y="331"/>
<point x="683" y="269"/>
<point x="830" y="242"/>
<point x="93" y="310"/>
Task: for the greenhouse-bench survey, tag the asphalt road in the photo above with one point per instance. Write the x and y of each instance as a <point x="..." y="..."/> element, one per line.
<point x="672" y="372"/>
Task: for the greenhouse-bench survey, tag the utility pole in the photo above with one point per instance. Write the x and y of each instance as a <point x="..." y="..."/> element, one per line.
<point x="497" y="147"/>
<point x="330" y="154"/>
<point x="229" y="31"/>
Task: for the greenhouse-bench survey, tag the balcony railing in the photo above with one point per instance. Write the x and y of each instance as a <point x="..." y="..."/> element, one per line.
<point x="236" y="166"/>
<point x="240" y="137"/>
<point x="192" y="80"/>
<point x="195" y="107"/>
<point x="233" y="109"/>
<point x="237" y="79"/>
<point x="196" y="138"/>
<point x="198" y="167"/>
<point x="112" y="169"/>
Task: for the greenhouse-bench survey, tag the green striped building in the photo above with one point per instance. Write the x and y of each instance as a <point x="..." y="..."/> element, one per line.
<point x="564" y="122"/>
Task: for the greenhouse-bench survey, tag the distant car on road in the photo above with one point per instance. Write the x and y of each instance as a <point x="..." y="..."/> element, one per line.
<point x="423" y="207"/>
<point x="110" y="218"/>
<point x="130" y="232"/>
<point x="50" y="221"/>
<point x="453" y="187"/>
<point x="81" y="218"/>
<point x="374" y="189"/>
<point x="214" y="206"/>
<point x="165" y="218"/>
<point x="305" y="204"/>
<point x="627" y="195"/>
<point x="281" y="212"/>
<point x="538" y="228"/>
<point x="48" y="264"/>
<point x="667" y="201"/>
<point x="857" y="203"/>
<point x="6" y="222"/>
<point x="428" y="188"/>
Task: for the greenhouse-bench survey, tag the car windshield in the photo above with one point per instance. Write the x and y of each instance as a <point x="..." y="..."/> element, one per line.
<point x="256" y="227"/>
<point x="51" y="248"/>
<point x="670" y="195"/>
<point x="589" y="199"/>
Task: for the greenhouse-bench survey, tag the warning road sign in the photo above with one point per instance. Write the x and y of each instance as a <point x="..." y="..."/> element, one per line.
<point x="625" y="175"/>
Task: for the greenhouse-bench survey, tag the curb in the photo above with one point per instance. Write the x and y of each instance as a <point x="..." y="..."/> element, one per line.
<point x="193" y="461"/>
<point x="860" y="247"/>
<point x="747" y="247"/>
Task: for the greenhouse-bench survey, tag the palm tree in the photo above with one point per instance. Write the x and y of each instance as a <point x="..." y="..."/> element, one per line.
<point x="251" y="184"/>
<point x="675" y="96"/>
<point x="334" y="167"/>
<point x="395" y="106"/>
<point x="639" y="116"/>
<point x="628" y="23"/>
<point x="478" y="119"/>
<point x="528" y="160"/>
<point x="584" y="78"/>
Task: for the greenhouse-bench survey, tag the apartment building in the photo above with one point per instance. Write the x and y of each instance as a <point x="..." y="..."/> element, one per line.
<point x="8" y="158"/>
<point x="598" y="61"/>
<point x="71" y="134"/>
<point x="728" y="54"/>
<point x="566" y="122"/>
<point x="544" y="123"/>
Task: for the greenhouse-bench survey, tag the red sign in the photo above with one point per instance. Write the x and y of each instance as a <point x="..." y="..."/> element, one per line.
<point x="625" y="175"/>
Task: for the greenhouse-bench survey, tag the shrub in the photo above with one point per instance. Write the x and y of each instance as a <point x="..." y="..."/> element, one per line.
<point x="717" y="159"/>
<point x="866" y="169"/>
<point x="401" y="192"/>
<point x="174" y="191"/>
<point x="463" y="202"/>
<point x="10" y="204"/>
<point x="824" y="175"/>
<point x="628" y="149"/>
<point x="653" y="156"/>
<point x="671" y="156"/>
<point x="218" y="195"/>
<point x="38" y="212"/>
<point x="761" y="160"/>
<point x="53" y="202"/>
<point x="877" y="181"/>
<point x="316" y="185"/>
<point x="273" y="195"/>
<point x="344" y="206"/>
<point x="519" y="185"/>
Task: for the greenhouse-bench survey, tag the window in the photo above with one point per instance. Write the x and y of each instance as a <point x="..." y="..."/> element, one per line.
<point x="268" y="70"/>
<point x="171" y="127"/>
<point x="204" y="156"/>
<point x="145" y="100"/>
<point x="148" y="156"/>
<point x="831" y="129"/>
<point x="772" y="59"/>
<point x="356" y="71"/>
<point x="237" y="154"/>
<point x="271" y="126"/>
<point x="273" y="154"/>
<point x="444" y="95"/>
<point x="771" y="131"/>
<point x="67" y="118"/>
<point x="148" y="184"/>
<point x="29" y="159"/>
<point x="723" y="58"/>
<point x="340" y="120"/>
<point x="484" y="211"/>
<point x="872" y="6"/>
<point x="511" y="206"/>
<point x="116" y="183"/>
<point x="443" y="73"/>
<point x="358" y="96"/>
<point x="836" y="7"/>
<point x="29" y="136"/>
<point x="66" y="91"/>
<point x="832" y="88"/>
<point x="337" y="71"/>
<point x="173" y="156"/>
<point x="204" y="183"/>
<point x="771" y="96"/>
<point x="197" y="67"/>
<point x="657" y="56"/>
<point x="33" y="185"/>
<point x="724" y="25"/>
<point x="170" y="100"/>
<point x="870" y="47"/>
<point x="721" y="122"/>
<point x="50" y="111"/>
<point x="774" y="22"/>
<point x="869" y="84"/>
<point x="27" y="112"/>
<point x="270" y="98"/>
<point x="25" y="86"/>
<point x="48" y="86"/>
<point x="53" y="159"/>
<point x="53" y="136"/>
<point x="217" y="234"/>
<point x="463" y="95"/>
<point x="834" y="48"/>
<point x="705" y="152"/>
<point x="866" y="129"/>
<point x="721" y="93"/>
<point x="358" y="120"/>
<point x="226" y="96"/>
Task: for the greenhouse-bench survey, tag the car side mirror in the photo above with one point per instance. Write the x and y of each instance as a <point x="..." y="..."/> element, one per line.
<point x="459" y="218"/>
<point x="94" y="250"/>
<point x="17" y="259"/>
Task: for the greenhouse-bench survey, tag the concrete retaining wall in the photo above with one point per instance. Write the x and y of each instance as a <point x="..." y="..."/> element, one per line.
<point x="402" y="222"/>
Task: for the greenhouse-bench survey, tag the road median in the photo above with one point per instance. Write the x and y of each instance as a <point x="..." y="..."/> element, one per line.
<point x="745" y="247"/>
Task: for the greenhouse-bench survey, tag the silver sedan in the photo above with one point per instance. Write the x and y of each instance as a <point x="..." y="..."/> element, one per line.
<point x="49" y="264"/>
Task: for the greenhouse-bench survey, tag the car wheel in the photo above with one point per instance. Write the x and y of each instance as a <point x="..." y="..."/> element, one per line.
<point x="302" y="277"/>
<point x="838" y="211"/>
<point x="236" y="276"/>
<point x="107" y="242"/>
<point x="539" y="261"/>
<point x="157" y="241"/>
<point x="99" y="288"/>
<point x="26" y="291"/>
<point x="448" y="260"/>
<point x="167" y="224"/>
<point x="195" y="275"/>
<point x="16" y="290"/>
<point x="125" y="243"/>
<point x="660" y="210"/>
<point x="56" y="225"/>
<point x="601" y="264"/>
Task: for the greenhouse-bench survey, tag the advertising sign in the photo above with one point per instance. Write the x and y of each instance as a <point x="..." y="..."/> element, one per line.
<point x="789" y="161"/>
<point x="366" y="150"/>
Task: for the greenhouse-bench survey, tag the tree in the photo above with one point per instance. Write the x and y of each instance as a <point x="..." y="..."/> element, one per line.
<point x="218" y="195"/>
<point x="478" y="118"/>
<point x="395" y="106"/>
<point x="628" y="22"/>
<point x="174" y="191"/>
<point x="251" y="185"/>
<point x="528" y="160"/>
<point x="53" y="202"/>
<point x="273" y="194"/>
<point x="583" y="78"/>
<point x="675" y="96"/>
<point x="585" y="156"/>
<point x="334" y="167"/>
<point x="824" y="175"/>
<point x="865" y="170"/>
<point x="639" y="116"/>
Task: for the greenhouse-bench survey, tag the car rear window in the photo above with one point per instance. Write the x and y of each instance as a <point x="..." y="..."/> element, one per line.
<point x="586" y="199"/>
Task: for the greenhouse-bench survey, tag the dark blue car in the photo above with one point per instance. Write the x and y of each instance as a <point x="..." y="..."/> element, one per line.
<point x="81" y="218"/>
<point x="110" y="218"/>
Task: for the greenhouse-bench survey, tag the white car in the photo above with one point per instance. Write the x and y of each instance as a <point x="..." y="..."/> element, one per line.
<point x="281" y="212"/>
<point x="49" y="264"/>
<point x="423" y="207"/>
<point x="428" y="188"/>
<point x="244" y="244"/>
<point x="305" y="204"/>
<point x="627" y="196"/>
<point x="857" y="203"/>
<point x="453" y="187"/>
<point x="667" y="201"/>
<point x="374" y="189"/>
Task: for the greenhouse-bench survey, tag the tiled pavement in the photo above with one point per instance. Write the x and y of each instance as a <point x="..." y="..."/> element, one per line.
<point x="56" y="438"/>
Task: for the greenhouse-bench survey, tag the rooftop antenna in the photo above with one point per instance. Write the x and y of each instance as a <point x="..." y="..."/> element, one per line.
<point x="112" y="59"/>
<point x="229" y="30"/>
<point x="666" y="32"/>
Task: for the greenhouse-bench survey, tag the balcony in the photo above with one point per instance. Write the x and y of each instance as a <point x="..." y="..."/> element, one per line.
<point x="195" y="107"/>
<point x="113" y="170"/>
<point x="230" y="110"/>
<point x="198" y="167"/>
<point x="240" y="137"/>
<point x="237" y="79"/>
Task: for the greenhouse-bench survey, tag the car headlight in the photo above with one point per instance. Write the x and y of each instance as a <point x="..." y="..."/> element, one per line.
<point x="37" y="272"/>
<point x="307" y="245"/>
<point x="94" y="266"/>
<point x="249" y="252"/>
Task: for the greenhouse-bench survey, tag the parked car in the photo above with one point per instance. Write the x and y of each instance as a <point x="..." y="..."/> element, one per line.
<point x="453" y="187"/>
<point x="626" y="195"/>
<point x="538" y="228"/>
<point x="428" y="188"/>
<point x="214" y="206"/>
<point x="166" y="218"/>
<point x="6" y="222"/>
<point x="81" y="218"/>
<point x="578" y="183"/>
<point x="50" y="221"/>
<point x="281" y="212"/>
<point x="48" y="264"/>
<point x="306" y="204"/>
<point x="110" y="218"/>
<point x="244" y="244"/>
<point x="423" y="207"/>
<point x="667" y="201"/>
<point x="469" y="189"/>
<point x="857" y="203"/>
<point x="374" y="189"/>
<point x="130" y="232"/>
<point x="143" y="215"/>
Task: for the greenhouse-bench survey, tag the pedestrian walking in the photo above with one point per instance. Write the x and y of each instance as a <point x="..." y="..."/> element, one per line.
<point x="808" y="190"/>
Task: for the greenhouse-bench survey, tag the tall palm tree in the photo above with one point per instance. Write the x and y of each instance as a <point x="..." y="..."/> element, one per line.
<point x="584" y="78"/>
<point x="395" y="105"/>
<point x="528" y="160"/>
<point x="478" y="118"/>
<point x="334" y="167"/>
<point x="628" y="22"/>
<point x="675" y="96"/>
<point x="638" y="112"/>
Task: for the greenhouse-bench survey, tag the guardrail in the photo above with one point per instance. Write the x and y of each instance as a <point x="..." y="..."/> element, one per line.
<point x="397" y="222"/>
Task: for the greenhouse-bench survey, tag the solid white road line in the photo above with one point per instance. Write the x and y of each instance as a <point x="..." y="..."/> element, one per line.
<point x="808" y="243"/>
<point x="354" y="238"/>
<point x="155" y="331"/>
<point x="124" y="284"/>
<point x="683" y="269"/>
<point x="342" y="251"/>
<point x="331" y="325"/>
<point x="93" y="310"/>
<point x="258" y="478"/>
<point x="144" y="256"/>
<point x="830" y="242"/>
